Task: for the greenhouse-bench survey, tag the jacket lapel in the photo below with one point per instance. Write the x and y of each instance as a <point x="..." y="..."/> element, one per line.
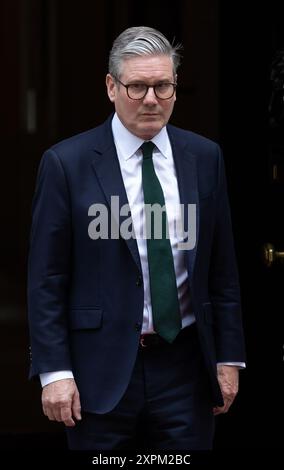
<point x="186" y="167"/>
<point x="107" y="169"/>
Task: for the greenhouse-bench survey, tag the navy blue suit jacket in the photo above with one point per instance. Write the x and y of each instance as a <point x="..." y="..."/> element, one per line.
<point x="85" y="296"/>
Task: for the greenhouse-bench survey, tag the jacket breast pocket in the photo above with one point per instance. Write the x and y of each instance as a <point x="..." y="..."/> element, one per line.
<point x="86" y="319"/>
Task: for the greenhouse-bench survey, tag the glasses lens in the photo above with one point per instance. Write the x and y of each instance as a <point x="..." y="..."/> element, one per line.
<point x="136" y="91"/>
<point x="164" y="90"/>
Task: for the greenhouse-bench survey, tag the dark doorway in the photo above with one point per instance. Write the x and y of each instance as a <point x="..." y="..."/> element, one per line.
<point x="253" y="146"/>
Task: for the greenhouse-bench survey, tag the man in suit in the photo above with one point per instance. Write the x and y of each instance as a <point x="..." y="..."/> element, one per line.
<point x="129" y="329"/>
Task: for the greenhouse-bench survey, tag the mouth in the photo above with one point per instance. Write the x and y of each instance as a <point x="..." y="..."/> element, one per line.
<point x="150" y="114"/>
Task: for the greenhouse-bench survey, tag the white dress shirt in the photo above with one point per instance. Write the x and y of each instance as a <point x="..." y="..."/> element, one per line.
<point x="130" y="161"/>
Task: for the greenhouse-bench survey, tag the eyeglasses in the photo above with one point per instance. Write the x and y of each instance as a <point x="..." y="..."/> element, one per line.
<point x="138" y="91"/>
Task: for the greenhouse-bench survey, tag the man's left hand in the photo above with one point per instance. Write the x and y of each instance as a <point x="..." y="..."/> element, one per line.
<point x="228" y="378"/>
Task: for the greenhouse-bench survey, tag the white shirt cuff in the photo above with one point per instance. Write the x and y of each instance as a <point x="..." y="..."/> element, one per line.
<point x="241" y="365"/>
<point x="48" y="377"/>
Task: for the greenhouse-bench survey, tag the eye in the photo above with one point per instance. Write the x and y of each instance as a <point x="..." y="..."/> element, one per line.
<point x="163" y="87"/>
<point x="137" y="87"/>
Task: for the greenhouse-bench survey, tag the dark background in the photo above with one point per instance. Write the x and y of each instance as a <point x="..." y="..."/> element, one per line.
<point x="53" y="67"/>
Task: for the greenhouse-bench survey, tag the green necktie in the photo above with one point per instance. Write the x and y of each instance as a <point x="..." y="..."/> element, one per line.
<point x="164" y="295"/>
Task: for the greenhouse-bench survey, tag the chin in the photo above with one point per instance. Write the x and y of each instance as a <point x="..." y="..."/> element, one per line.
<point x="150" y="131"/>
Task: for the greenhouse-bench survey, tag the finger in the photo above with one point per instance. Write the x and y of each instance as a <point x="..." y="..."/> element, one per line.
<point x="76" y="407"/>
<point x="222" y="409"/>
<point x="218" y="410"/>
<point x="44" y="407"/>
<point x="48" y="410"/>
<point x="49" y="413"/>
<point x="54" y="411"/>
<point x="66" y="416"/>
<point x="227" y="405"/>
<point x="57" y="414"/>
<point x="228" y="401"/>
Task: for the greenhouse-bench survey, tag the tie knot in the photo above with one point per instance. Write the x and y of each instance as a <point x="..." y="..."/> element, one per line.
<point x="147" y="149"/>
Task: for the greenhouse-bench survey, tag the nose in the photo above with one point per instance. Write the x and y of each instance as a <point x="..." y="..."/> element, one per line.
<point x="150" y="97"/>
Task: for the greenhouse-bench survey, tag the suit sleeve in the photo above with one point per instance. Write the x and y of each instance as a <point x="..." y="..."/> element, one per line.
<point x="49" y="268"/>
<point x="223" y="280"/>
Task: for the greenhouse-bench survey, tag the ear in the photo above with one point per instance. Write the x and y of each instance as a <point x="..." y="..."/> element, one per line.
<point x="175" y="79"/>
<point x="111" y="87"/>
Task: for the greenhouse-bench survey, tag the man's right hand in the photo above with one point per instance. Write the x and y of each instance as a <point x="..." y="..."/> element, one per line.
<point x="61" y="401"/>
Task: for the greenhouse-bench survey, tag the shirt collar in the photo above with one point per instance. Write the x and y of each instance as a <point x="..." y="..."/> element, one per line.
<point x="129" y="143"/>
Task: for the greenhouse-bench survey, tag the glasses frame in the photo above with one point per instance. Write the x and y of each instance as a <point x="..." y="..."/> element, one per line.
<point x="147" y="89"/>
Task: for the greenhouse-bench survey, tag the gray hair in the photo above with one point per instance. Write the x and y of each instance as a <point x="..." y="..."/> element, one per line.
<point x="140" y="41"/>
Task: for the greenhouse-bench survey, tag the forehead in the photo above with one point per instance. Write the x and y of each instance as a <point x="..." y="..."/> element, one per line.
<point x="150" y="67"/>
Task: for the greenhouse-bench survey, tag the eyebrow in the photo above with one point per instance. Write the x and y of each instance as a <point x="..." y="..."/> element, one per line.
<point x="141" y="82"/>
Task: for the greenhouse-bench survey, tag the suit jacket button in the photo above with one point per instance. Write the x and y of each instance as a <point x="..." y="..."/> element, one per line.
<point x="138" y="326"/>
<point x="139" y="281"/>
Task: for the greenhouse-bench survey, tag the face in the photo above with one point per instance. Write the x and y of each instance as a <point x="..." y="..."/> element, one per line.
<point x="145" y="117"/>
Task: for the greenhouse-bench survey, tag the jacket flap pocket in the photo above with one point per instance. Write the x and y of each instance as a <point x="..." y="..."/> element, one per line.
<point x="86" y="318"/>
<point x="207" y="313"/>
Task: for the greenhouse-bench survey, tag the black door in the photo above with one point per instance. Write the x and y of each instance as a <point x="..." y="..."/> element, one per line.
<point x="252" y="135"/>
